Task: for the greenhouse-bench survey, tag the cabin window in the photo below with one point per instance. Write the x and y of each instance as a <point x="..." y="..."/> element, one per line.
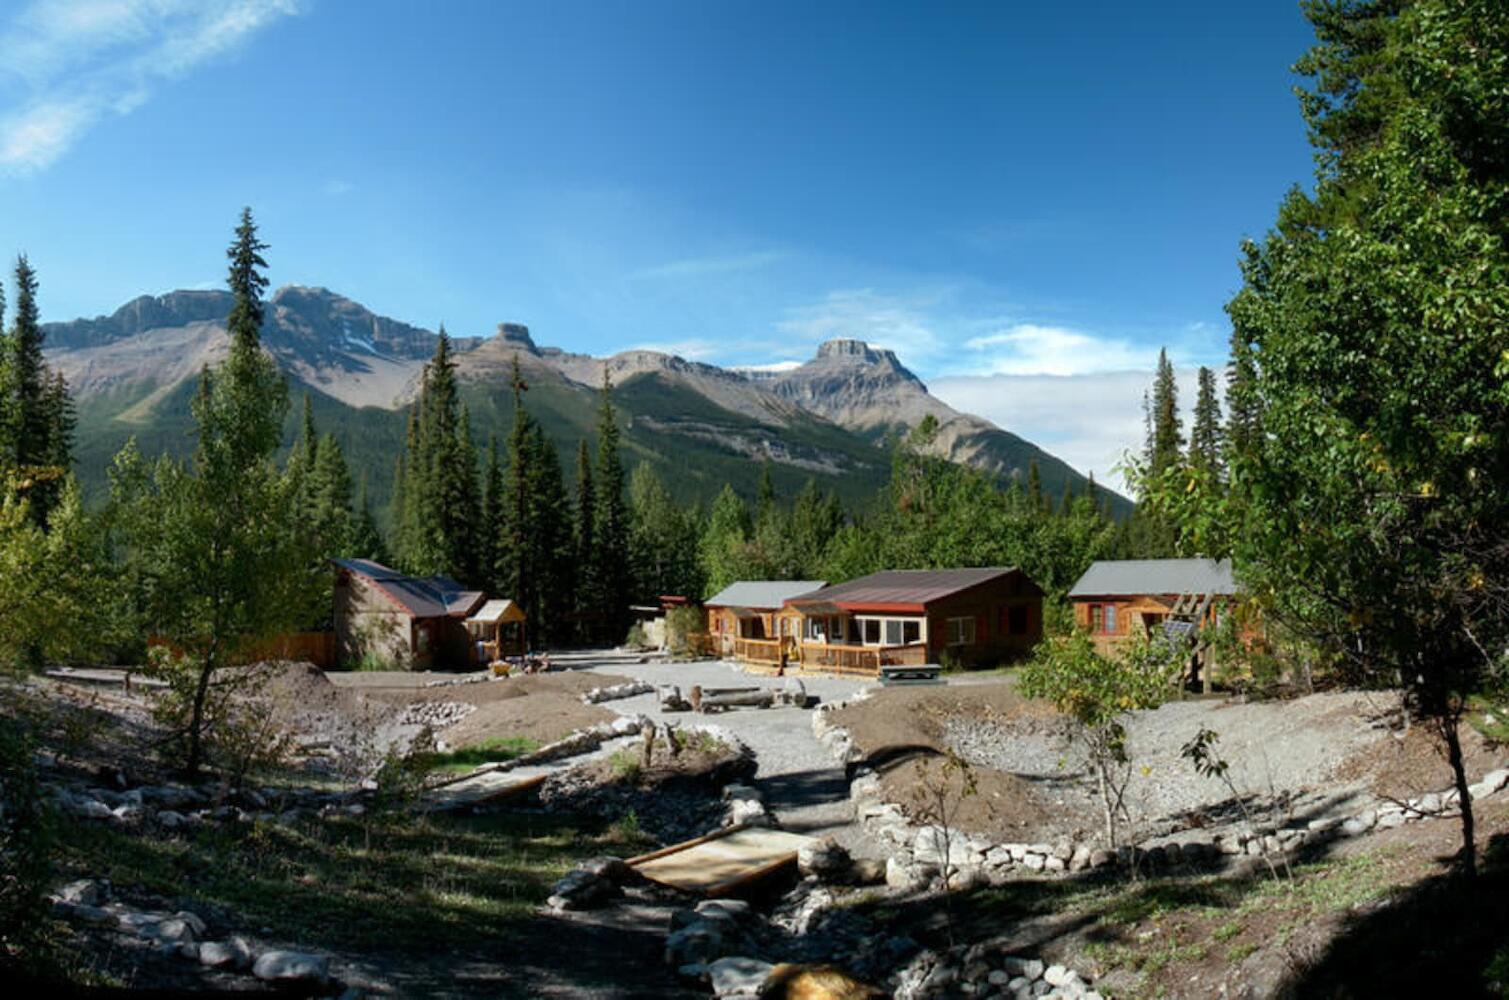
<point x="1103" y="619"/>
<point x="911" y="633"/>
<point x="422" y="639"/>
<point x="893" y="632"/>
<point x="1014" y="620"/>
<point x="871" y="630"/>
<point x="960" y="632"/>
<point x="816" y="629"/>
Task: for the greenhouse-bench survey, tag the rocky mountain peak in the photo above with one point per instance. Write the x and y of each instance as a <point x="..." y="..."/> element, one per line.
<point x="516" y="335"/>
<point x="847" y="348"/>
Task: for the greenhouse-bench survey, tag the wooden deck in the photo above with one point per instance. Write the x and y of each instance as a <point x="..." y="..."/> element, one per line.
<point x="722" y="863"/>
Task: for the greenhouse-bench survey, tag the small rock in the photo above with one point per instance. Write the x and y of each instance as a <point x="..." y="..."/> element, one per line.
<point x="93" y="809"/>
<point x="738" y="976"/>
<point x="1495" y="780"/>
<point x="232" y="954"/>
<point x="85" y="891"/>
<point x="291" y="966"/>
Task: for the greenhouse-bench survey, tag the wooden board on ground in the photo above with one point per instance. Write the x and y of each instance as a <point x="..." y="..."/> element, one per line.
<point x="487" y="787"/>
<point x="722" y="862"/>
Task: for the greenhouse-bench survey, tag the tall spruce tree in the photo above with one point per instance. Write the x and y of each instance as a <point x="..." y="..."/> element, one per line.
<point x="583" y="523"/>
<point x="491" y="547"/>
<point x="366" y="538"/>
<point x="1167" y="427"/>
<point x="520" y="563"/>
<point x="1206" y="449"/>
<point x="440" y="484"/>
<point x="610" y="525"/>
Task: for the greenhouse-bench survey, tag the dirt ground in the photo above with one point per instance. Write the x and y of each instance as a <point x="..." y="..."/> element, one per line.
<point x="1324" y="754"/>
<point x="897" y="727"/>
<point x="543" y="707"/>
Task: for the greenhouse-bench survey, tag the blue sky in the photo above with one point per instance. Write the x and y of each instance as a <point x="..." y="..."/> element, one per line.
<point x="1024" y="201"/>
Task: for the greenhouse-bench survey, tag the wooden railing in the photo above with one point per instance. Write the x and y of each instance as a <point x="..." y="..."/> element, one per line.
<point x="758" y="650"/>
<point x="863" y="660"/>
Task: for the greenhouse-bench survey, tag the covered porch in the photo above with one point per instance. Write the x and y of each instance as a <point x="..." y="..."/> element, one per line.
<point x="827" y="637"/>
<point x="497" y="631"/>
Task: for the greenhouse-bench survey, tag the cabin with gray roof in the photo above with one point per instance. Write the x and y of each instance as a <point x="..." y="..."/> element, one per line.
<point x="743" y="619"/>
<point x="405" y="622"/>
<point x="1119" y="600"/>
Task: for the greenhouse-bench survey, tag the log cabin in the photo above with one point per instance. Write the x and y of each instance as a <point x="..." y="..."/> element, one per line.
<point x="744" y="619"/>
<point x="1117" y="601"/>
<point x="976" y="616"/>
<point x="412" y="623"/>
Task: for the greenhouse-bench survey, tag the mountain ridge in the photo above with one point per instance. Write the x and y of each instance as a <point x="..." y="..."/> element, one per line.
<point x="829" y="417"/>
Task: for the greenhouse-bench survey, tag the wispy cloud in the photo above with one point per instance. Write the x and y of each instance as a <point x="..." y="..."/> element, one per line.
<point x="69" y="64"/>
<point x="1030" y="349"/>
<point x="696" y="267"/>
<point x="904" y="323"/>
<point x="337" y="188"/>
<point x="1090" y="421"/>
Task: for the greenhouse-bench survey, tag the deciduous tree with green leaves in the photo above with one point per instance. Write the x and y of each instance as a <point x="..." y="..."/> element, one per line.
<point x="208" y="542"/>
<point x="1368" y="506"/>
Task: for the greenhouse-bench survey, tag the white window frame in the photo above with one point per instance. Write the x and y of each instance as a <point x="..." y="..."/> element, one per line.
<point x="884" y="622"/>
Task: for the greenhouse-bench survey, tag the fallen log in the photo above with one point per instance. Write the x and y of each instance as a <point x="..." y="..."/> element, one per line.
<point x="754" y="698"/>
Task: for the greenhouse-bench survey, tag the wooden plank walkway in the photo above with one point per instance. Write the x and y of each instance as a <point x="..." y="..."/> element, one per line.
<point x="723" y="862"/>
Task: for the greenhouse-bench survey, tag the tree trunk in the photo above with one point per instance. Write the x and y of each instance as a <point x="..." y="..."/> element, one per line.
<point x="1451" y="733"/>
<point x="196" y="720"/>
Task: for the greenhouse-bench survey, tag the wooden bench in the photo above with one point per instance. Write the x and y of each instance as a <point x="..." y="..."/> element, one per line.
<point x="898" y="675"/>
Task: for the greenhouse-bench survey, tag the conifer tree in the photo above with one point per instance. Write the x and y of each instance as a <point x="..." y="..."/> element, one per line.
<point x="519" y="564"/>
<point x="366" y="539"/>
<point x="1035" y="499"/>
<point x="551" y="540"/>
<point x="490" y="546"/>
<point x="1168" y="429"/>
<point x="440" y="485"/>
<point x="1205" y="445"/>
<point x="610" y="534"/>
<point x="582" y="534"/>
<point x="725" y="540"/>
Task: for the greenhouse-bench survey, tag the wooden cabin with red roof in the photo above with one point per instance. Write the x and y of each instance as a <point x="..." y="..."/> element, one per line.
<point x="976" y="616"/>
<point x="408" y="622"/>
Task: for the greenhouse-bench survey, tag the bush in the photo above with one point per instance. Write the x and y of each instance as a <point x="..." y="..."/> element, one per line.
<point x="681" y="625"/>
<point x="25" y="838"/>
<point x="637" y="639"/>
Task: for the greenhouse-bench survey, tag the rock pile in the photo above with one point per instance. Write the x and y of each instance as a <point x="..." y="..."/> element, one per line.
<point x="984" y="970"/>
<point x="174" y="807"/>
<point x="437" y="715"/>
<point x="181" y="934"/>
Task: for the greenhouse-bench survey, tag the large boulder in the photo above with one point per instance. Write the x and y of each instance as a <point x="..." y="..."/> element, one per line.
<point x="737" y="976"/>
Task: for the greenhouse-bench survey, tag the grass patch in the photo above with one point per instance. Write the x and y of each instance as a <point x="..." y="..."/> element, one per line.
<point x="487" y="752"/>
<point x="407" y="883"/>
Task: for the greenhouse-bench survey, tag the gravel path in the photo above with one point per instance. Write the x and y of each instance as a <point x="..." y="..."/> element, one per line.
<point x="803" y="785"/>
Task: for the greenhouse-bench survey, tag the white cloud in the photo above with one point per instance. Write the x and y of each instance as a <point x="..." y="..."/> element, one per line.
<point x="1088" y="420"/>
<point x="1029" y="349"/>
<point x="337" y="188"/>
<point x="75" y="62"/>
<point x="696" y="267"/>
